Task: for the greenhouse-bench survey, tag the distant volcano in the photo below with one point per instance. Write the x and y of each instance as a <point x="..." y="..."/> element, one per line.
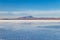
<point x="28" y="17"/>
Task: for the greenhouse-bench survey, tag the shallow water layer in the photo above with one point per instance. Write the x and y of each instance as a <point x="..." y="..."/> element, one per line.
<point x="30" y="31"/>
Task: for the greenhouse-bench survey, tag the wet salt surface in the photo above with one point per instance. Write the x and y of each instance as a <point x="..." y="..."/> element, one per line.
<point x="30" y="31"/>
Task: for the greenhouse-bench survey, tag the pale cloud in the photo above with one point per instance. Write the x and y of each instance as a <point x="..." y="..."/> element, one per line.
<point x="36" y="12"/>
<point x="2" y="12"/>
<point x="31" y="12"/>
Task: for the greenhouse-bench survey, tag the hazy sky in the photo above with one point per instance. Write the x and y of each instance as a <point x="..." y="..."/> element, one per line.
<point x="37" y="8"/>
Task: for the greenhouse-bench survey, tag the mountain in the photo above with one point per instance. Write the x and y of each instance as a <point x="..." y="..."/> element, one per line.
<point x="28" y="17"/>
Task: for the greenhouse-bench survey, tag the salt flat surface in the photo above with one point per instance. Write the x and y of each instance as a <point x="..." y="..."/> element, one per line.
<point x="27" y="21"/>
<point x="29" y="29"/>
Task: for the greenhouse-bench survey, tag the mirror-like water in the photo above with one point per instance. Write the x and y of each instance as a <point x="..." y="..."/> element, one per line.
<point x="30" y="31"/>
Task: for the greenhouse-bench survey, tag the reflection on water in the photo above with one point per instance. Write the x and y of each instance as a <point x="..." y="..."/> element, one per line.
<point x="30" y="31"/>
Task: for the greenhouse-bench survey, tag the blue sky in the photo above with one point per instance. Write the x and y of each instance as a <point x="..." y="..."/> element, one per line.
<point x="37" y="8"/>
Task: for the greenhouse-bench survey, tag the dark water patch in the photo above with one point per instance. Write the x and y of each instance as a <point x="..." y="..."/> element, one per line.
<point x="53" y="26"/>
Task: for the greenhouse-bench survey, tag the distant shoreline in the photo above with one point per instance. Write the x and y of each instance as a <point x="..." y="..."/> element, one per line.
<point x="30" y="18"/>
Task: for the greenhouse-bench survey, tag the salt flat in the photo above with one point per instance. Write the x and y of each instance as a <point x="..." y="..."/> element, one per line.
<point x="18" y="21"/>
